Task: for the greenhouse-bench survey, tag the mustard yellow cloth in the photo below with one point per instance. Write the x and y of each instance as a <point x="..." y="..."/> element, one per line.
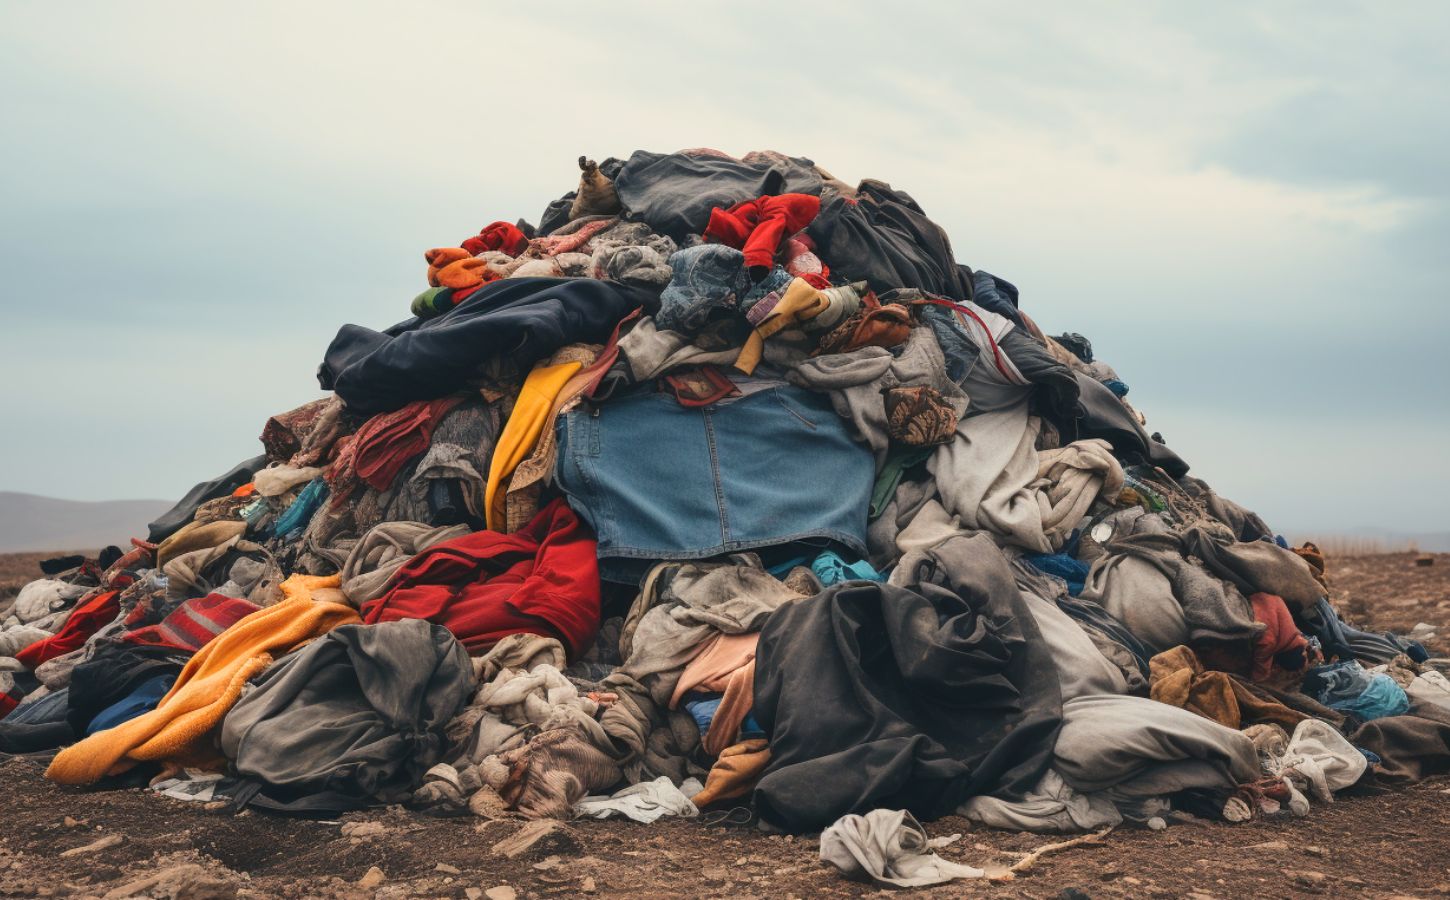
<point x="531" y="415"/>
<point x="179" y="728"/>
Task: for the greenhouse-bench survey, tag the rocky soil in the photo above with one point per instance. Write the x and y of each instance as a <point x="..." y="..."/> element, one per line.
<point x="66" y="842"/>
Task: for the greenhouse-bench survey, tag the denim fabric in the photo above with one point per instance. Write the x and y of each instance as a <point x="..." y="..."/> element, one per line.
<point x="705" y="278"/>
<point x="145" y="698"/>
<point x="1000" y="296"/>
<point x="42" y="711"/>
<point x="658" y="481"/>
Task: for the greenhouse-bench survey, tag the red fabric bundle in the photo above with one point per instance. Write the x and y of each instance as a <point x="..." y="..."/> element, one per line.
<point x="194" y="623"/>
<point x="90" y="615"/>
<point x="1281" y="635"/>
<point x="384" y="445"/>
<point x="758" y="227"/>
<point x="543" y="579"/>
<point x="497" y="236"/>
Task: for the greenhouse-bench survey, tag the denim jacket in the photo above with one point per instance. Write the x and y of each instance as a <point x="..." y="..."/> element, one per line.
<point x="658" y="481"/>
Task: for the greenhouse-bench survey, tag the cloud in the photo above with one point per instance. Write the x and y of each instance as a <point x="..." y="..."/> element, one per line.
<point x="1243" y="207"/>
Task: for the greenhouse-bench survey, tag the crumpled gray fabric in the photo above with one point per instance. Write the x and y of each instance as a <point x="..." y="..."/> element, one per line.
<point x="1140" y="595"/>
<point x="1081" y="669"/>
<point x="1257" y="567"/>
<point x="373" y="560"/>
<point x="693" y="602"/>
<point x="985" y="475"/>
<point x="1037" y="583"/>
<point x="644" y="802"/>
<point x="888" y="846"/>
<point x="1138" y="747"/>
<point x="360" y="710"/>
<point x="631" y="264"/>
<point x="41" y="599"/>
<point x="857" y="382"/>
<point x="18" y="637"/>
<point x="1052" y="806"/>
<point x="1141" y="570"/>
<point x="238" y="560"/>
<point x="914" y="510"/>
<point x="650" y="350"/>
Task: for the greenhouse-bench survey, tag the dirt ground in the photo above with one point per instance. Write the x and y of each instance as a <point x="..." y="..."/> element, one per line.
<point x="57" y="841"/>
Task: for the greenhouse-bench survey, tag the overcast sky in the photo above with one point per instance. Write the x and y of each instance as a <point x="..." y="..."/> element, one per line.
<point x="1246" y="207"/>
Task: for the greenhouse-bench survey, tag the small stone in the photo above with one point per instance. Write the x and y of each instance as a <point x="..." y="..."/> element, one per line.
<point x="1129" y="879"/>
<point x="715" y="873"/>
<point x="1270" y="845"/>
<point x="1315" y="851"/>
<point x="1157" y="824"/>
<point x="446" y="869"/>
<point x="70" y="823"/>
<point x="362" y="829"/>
<point x="502" y="892"/>
<point x="473" y="893"/>
<point x="1310" y="877"/>
<point x="1110" y="873"/>
<point x="547" y="863"/>
<point x="372" y="879"/>
<point x="1073" y="893"/>
<point x="587" y="886"/>
<point x="104" y="843"/>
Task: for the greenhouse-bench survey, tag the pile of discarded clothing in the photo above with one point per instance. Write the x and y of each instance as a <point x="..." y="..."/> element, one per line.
<point x="724" y="487"/>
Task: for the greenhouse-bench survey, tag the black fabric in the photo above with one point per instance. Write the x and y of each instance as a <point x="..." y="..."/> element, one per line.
<point x="1079" y="345"/>
<point x="674" y="193"/>
<point x="997" y="294"/>
<point x="878" y="695"/>
<point x="58" y="564"/>
<point x="885" y="239"/>
<point x="1056" y="389"/>
<point x="524" y="319"/>
<point x="359" y="711"/>
<point x="171" y="521"/>
<point x="1105" y="416"/>
<point x="112" y="674"/>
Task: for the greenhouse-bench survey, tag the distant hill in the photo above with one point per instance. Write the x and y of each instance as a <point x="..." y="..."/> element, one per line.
<point x="30" y="522"/>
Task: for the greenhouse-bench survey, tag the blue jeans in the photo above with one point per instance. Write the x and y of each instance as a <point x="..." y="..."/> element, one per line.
<point x="659" y="481"/>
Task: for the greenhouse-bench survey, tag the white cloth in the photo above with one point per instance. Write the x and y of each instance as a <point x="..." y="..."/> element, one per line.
<point x="41" y="599"/>
<point x="1069" y="480"/>
<point x="644" y="802"/>
<point x="889" y="846"/>
<point x="13" y="640"/>
<point x="275" y="481"/>
<point x="1430" y="687"/>
<point x="1323" y="757"/>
